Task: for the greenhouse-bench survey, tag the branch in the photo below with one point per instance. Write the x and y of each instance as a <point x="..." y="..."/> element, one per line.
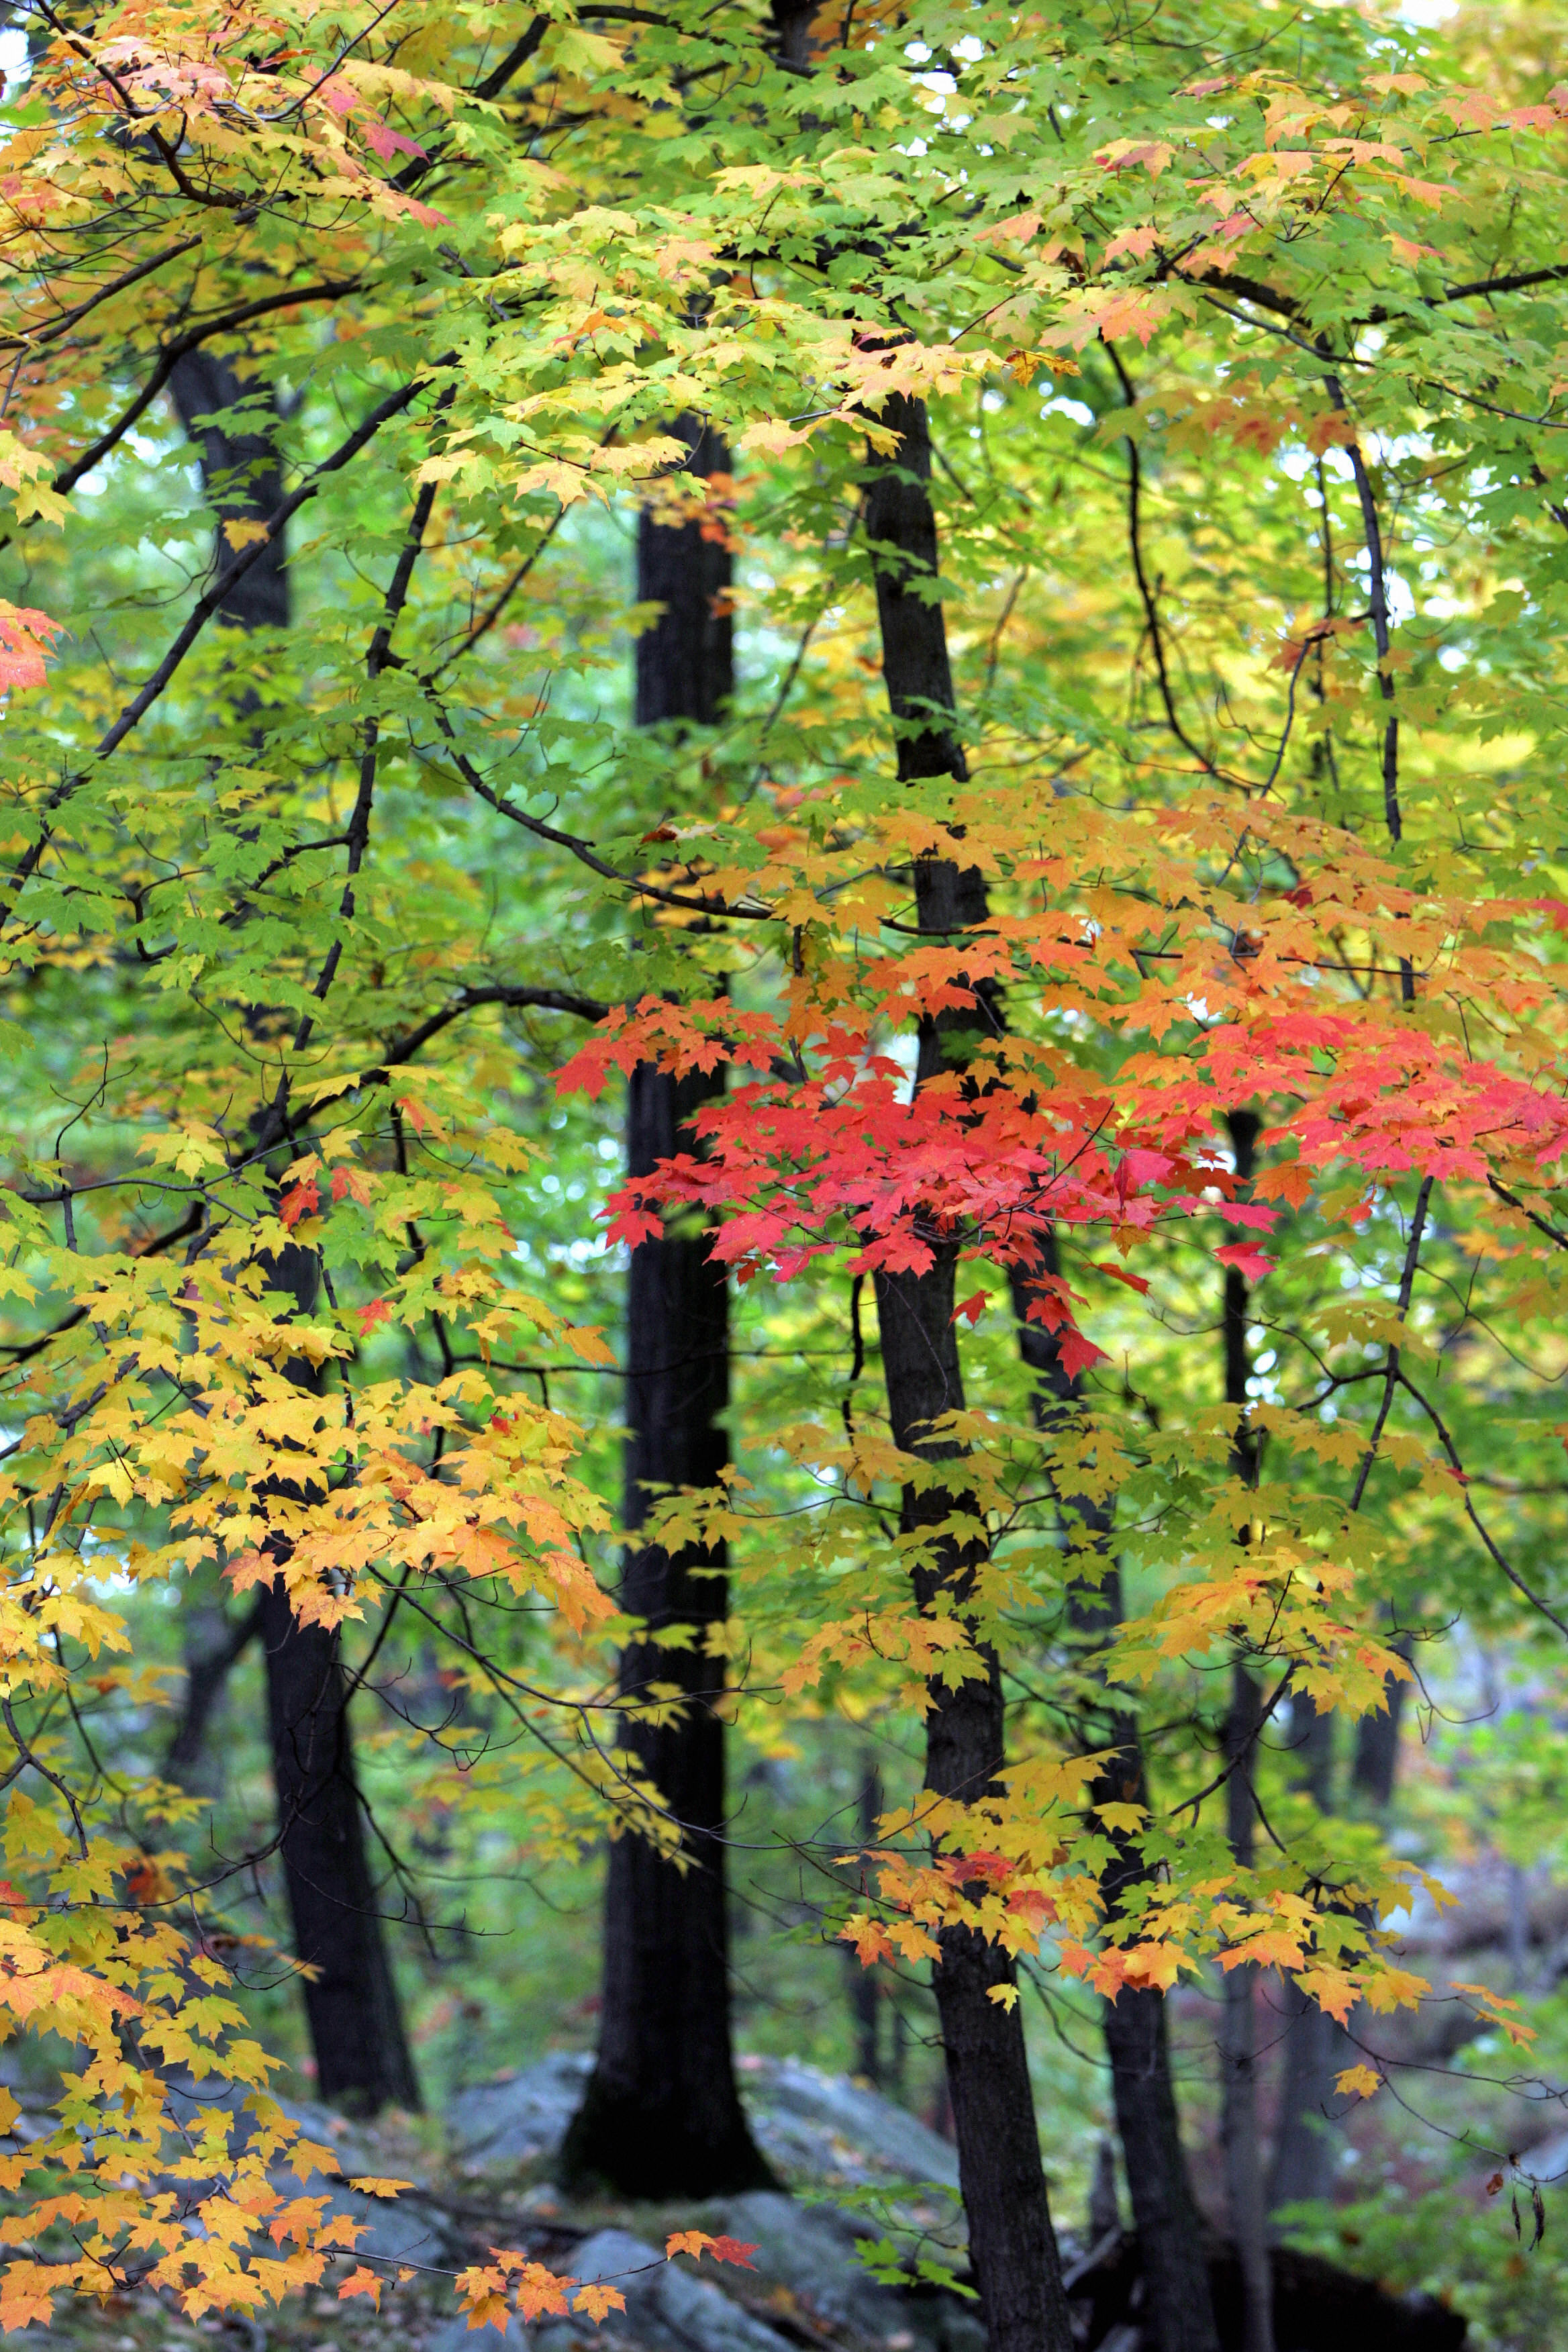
<point x="470" y="999"/>
<point x="205" y="606"/>
<point x="1553" y="1233"/>
<point x="375" y="661"/>
<point x="1146" y="593"/>
<point x="1391" y="1365"/>
<point x="23" y="1351"/>
<point x="578" y="847"/>
<point x="94" y="301"/>
<point x="169" y="358"/>
<point x="1448" y="1447"/>
<point x="516" y="58"/>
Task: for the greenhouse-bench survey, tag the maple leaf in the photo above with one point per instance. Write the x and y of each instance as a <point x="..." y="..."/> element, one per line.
<point x="25" y="638"/>
<point x="1077" y="1353"/>
<point x="697" y="2243"/>
<point x="375" y="1311"/>
<point x="1246" y="1258"/>
<point x="362" y="2282"/>
<point x="972" y="1308"/>
<point x="1358" y="2081"/>
<point x="597" y="2301"/>
<point x="299" y="1202"/>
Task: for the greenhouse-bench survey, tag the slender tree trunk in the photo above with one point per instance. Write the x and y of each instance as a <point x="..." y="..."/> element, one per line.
<point x="865" y="1988"/>
<point x="1376" y="1769"/>
<point x="662" y="2116"/>
<point x="1012" y="2245"/>
<point x="214" y="1642"/>
<point x="1240" y="2136"/>
<point x="363" y="2058"/>
<point x="1180" y="2301"/>
<point x="1303" y="2165"/>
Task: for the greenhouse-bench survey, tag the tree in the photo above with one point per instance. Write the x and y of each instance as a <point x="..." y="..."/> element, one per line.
<point x="1133" y="290"/>
<point x="662" y="2116"/>
<point x="361" y="2056"/>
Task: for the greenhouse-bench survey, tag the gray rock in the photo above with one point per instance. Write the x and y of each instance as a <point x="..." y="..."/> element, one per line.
<point x="811" y="2126"/>
<point x="823" y="2128"/>
<point x="523" y="2118"/>
<point x="667" y="2308"/>
<point x="809" y="2251"/>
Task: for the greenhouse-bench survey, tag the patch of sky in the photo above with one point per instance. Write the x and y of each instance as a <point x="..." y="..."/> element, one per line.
<point x="1079" y="410"/>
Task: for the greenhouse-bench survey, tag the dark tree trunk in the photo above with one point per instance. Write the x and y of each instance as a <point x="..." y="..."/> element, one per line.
<point x="1240" y="2136"/>
<point x="242" y="475"/>
<point x="362" y="2061"/>
<point x="355" y="2022"/>
<point x="363" y="2058"/>
<point x="1376" y="1769"/>
<point x="662" y="2116"/>
<point x="214" y="1642"/>
<point x="865" y="1988"/>
<point x="1012" y="2244"/>
<point x="243" y="478"/>
<point x="1170" y="2231"/>
<point x="686" y="661"/>
<point x="1315" y="2044"/>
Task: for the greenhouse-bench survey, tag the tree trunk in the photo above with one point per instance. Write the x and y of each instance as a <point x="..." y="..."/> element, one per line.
<point x="1376" y="1767"/>
<point x="214" y="1642"/>
<point x="1170" y="2231"/>
<point x="865" y="1988"/>
<point x="243" y="480"/>
<point x="1240" y="2134"/>
<point x="242" y="474"/>
<point x="362" y="2061"/>
<point x="1012" y="2245"/>
<point x="662" y="2116"/>
<point x="1315" y="2046"/>
<point x="361" y="2054"/>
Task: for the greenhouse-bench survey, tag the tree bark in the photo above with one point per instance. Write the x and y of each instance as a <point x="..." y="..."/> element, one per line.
<point x="865" y="1990"/>
<point x="352" y="2009"/>
<point x="214" y="1642"/>
<point x="1240" y="2136"/>
<point x="362" y="2061"/>
<point x="1376" y="1769"/>
<point x="686" y="659"/>
<point x="242" y="474"/>
<point x="1012" y="2244"/>
<point x="662" y="2116"/>
<point x="1315" y="2046"/>
<point x="1135" y="2024"/>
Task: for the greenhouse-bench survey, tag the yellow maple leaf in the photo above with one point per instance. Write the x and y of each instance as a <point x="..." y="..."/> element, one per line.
<point x="596" y="2299"/>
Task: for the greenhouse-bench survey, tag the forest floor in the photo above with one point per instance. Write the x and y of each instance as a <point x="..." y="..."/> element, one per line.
<point x="851" y="2166"/>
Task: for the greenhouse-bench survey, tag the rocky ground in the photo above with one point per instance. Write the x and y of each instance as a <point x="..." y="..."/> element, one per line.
<point x="852" y="2167"/>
